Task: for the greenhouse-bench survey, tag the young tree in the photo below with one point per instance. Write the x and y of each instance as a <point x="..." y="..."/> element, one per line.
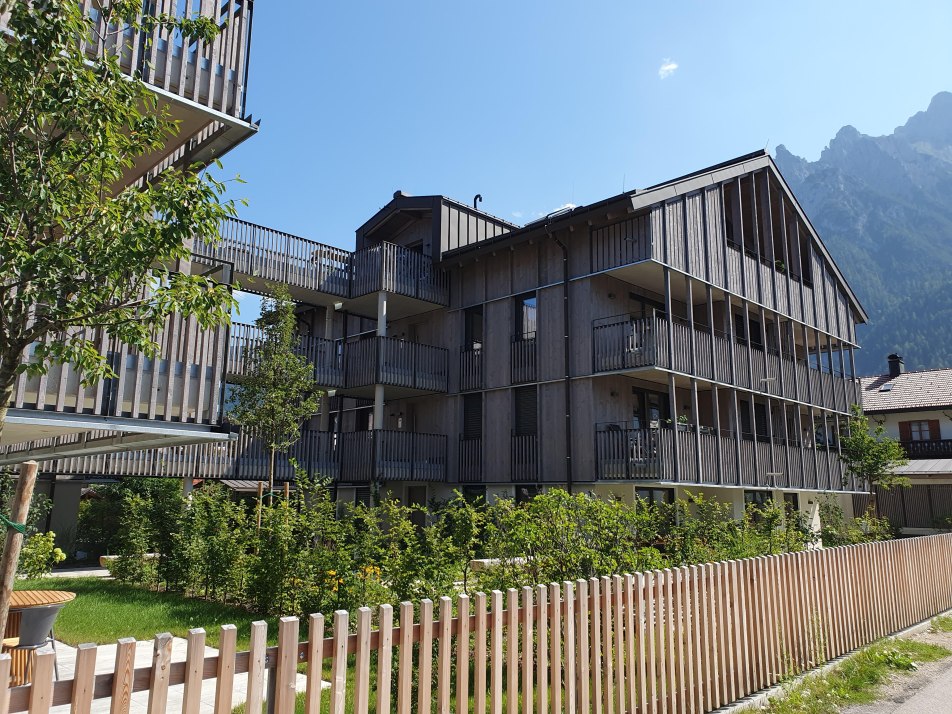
<point x="278" y="392"/>
<point x="82" y="252"/>
<point x="871" y="454"/>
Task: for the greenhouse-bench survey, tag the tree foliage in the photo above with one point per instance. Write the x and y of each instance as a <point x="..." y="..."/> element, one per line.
<point x="871" y="454"/>
<point x="278" y="392"/>
<point x="83" y="249"/>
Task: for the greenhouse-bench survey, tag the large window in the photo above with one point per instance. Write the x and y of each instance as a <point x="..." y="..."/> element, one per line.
<point x="919" y="430"/>
<point x="656" y="495"/>
<point x="757" y="498"/>
<point x="524" y="322"/>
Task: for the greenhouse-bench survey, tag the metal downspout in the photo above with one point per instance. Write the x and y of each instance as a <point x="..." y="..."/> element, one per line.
<point x="566" y="353"/>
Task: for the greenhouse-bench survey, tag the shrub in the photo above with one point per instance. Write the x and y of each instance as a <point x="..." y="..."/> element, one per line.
<point x="38" y="555"/>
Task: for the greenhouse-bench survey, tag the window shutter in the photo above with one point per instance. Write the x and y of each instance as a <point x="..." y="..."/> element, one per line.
<point x="934" y="430"/>
<point x="905" y="431"/>
<point x="524" y="399"/>
<point x="472" y="416"/>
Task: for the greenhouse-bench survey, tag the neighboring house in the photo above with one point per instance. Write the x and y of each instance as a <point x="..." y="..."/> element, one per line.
<point x="177" y="397"/>
<point x="916" y="409"/>
<point x="692" y="336"/>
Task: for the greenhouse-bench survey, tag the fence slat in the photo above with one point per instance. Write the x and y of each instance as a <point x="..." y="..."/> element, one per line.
<point x="84" y="677"/>
<point x="338" y="692"/>
<point x="315" y="665"/>
<point x="495" y="699"/>
<point x="462" y="654"/>
<point x="41" y="688"/>
<point x="5" y="665"/>
<point x="225" y="674"/>
<point x="194" y="660"/>
<point x="159" y="683"/>
<point x="405" y="670"/>
<point x="285" y="673"/>
<point x="444" y="684"/>
<point x="581" y="639"/>
<point x="527" y="642"/>
<point x="425" y="664"/>
<point x="259" y="641"/>
<point x="595" y="602"/>
<point x="542" y="649"/>
<point x="568" y="613"/>
<point x="362" y="668"/>
<point x="122" y="677"/>
<point x="512" y="651"/>
<point x="384" y="658"/>
<point x="479" y="655"/>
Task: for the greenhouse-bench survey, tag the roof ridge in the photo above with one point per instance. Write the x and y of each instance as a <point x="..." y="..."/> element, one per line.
<point x="911" y="371"/>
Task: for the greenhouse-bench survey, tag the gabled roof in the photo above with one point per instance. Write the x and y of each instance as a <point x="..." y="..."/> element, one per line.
<point x="910" y="391"/>
<point x="403" y="209"/>
<point x="642" y="198"/>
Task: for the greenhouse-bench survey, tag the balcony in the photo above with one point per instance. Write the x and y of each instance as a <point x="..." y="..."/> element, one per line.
<point x="929" y="449"/>
<point x="524" y="452"/>
<point x="323" y="354"/>
<point x="700" y="456"/>
<point x="406" y="368"/>
<point x="523" y="358"/>
<point x="470" y="459"/>
<point x="325" y="275"/>
<point x="625" y="342"/>
<point x="382" y="456"/>
<point x="470" y="369"/>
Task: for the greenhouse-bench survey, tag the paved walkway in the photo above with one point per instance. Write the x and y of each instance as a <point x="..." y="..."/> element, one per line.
<point x="106" y="659"/>
<point x="93" y="571"/>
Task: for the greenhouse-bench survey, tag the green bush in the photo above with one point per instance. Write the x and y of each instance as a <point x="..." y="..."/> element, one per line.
<point x="38" y="555"/>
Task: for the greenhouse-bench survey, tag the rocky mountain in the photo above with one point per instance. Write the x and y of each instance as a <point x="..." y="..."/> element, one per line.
<point x="883" y="206"/>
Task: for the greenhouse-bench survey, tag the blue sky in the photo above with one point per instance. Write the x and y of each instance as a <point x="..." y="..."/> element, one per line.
<point x="538" y="104"/>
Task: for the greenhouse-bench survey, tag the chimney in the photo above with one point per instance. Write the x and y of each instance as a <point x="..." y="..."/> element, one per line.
<point x="896" y="365"/>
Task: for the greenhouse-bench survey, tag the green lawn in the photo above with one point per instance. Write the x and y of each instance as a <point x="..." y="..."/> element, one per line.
<point x="105" y="610"/>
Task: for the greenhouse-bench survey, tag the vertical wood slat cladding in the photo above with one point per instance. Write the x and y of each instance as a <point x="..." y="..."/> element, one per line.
<point x="145" y="388"/>
<point x="212" y="75"/>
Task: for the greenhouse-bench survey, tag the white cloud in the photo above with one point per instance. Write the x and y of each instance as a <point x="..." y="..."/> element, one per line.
<point x="667" y="68"/>
<point x="517" y="214"/>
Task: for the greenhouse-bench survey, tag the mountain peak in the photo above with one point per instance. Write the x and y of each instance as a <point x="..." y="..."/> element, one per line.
<point x="933" y="126"/>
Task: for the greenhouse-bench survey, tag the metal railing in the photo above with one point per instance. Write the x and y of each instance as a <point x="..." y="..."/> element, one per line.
<point x="525" y="458"/>
<point x="928" y="449"/>
<point x="386" y="455"/>
<point x="470" y="459"/>
<point x="323" y="354"/>
<point x="523" y="358"/>
<point x="394" y="362"/>
<point x="470" y="368"/>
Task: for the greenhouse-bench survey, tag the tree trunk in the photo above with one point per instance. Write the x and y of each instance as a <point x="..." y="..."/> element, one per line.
<point x="271" y="479"/>
<point x="14" y="539"/>
<point x="8" y="380"/>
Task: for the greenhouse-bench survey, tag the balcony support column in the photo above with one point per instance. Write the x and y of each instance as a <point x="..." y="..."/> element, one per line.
<point x="381" y="332"/>
<point x="324" y="422"/>
<point x="672" y="396"/>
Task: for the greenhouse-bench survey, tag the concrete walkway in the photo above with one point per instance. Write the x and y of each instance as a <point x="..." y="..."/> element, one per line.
<point x="92" y="571"/>
<point x="105" y="662"/>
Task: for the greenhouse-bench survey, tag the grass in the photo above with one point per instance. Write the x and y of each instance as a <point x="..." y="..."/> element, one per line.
<point x="858" y="679"/>
<point x="942" y="624"/>
<point x="105" y="610"/>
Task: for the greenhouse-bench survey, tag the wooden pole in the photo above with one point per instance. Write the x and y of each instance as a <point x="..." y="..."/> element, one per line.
<point x="260" y="497"/>
<point x="11" y="549"/>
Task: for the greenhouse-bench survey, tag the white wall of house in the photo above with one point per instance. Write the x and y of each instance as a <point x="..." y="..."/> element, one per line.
<point x="891" y="420"/>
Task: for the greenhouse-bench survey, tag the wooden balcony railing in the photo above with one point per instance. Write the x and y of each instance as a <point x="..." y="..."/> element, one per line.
<point x="687" y="454"/>
<point x="211" y="74"/>
<point x="523" y="358"/>
<point x="470" y="459"/>
<point x="396" y="363"/>
<point x="266" y="255"/>
<point x="525" y="458"/>
<point x="398" y="270"/>
<point x="384" y="455"/>
<point x="626" y="342"/>
<point x="470" y="369"/>
<point x="929" y="449"/>
<point x="322" y="353"/>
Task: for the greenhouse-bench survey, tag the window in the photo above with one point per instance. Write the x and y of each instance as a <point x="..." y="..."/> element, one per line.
<point x="656" y="496"/>
<point x="525" y="317"/>
<point x="473" y="328"/>
<point x="525" y="410"/>
<point x="473" y="416"/>
<point x="919" y="430"/>
<point x="791" y="502"/>
<point x="526" y="493"/>
<point x="757" y="498"/>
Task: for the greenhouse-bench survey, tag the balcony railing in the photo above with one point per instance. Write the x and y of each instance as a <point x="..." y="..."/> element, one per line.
<point x="396" y="363"/>
<point x="470" y="369"/>
<point x="212" y="74"/>
<point x="272" y="256"/>
<point x="525" y="458"/>
<point x="470" y="459"/>
<point x="523" y="358"/>
<point x="929" y="449"/>
<point x="381" y="456"/>
<point x="692" y="455"/>
<point x="626" y="342"/>
<point x="322" y="353"/>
